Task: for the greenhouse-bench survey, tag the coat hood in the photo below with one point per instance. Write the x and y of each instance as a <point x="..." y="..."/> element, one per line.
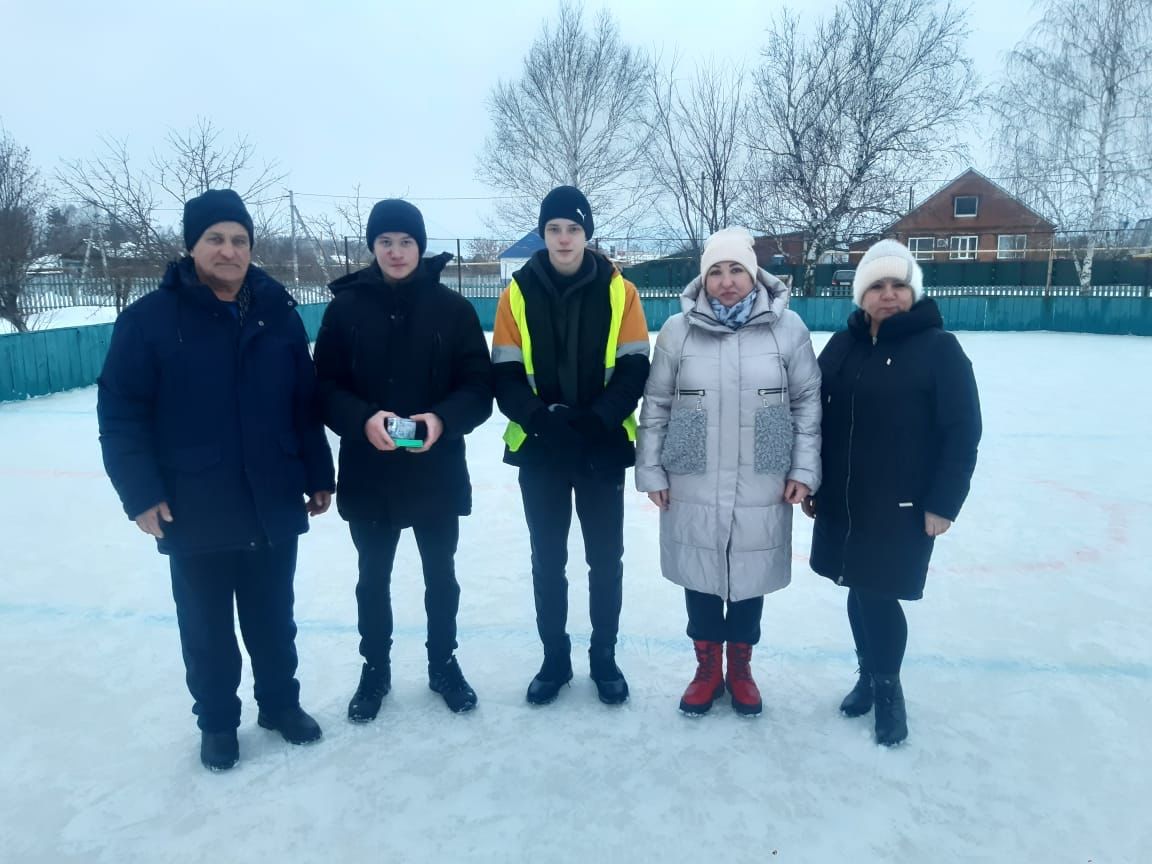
<point x="923" y="315"/>
<point x="773" y="296"/>
<point x="428" y="270"/>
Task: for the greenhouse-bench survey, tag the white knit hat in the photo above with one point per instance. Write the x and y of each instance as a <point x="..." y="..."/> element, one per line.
<point x="729" y="244"/>
<point x="888" y="259"/>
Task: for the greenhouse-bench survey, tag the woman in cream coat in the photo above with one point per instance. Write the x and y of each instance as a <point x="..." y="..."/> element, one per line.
<point x="729" y="441"/>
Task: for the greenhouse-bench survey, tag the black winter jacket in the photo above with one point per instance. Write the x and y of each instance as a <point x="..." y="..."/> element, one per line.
<point x="900" y="431"/>
<point x="411" y="347"/>
<point x="215" y="418"/>
<point x="570" y="329"/>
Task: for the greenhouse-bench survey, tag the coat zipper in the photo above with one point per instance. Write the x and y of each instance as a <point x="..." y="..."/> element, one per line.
<point x="848" y="478"/>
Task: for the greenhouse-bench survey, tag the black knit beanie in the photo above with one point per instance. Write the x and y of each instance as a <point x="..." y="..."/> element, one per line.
<point x="215" y="205"/>
<point x="566" y="202"/>
<point x="395" y="214"/>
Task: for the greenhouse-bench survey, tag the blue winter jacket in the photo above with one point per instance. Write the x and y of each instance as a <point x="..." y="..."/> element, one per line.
<point x="218" y="419"/>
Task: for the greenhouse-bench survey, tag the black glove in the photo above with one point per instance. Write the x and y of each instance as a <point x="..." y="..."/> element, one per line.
<point x="588" y="424"/>
<point x="551" y="425"/>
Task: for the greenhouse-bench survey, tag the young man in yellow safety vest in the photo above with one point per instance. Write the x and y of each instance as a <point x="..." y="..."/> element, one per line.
<point x="570" y="356"/>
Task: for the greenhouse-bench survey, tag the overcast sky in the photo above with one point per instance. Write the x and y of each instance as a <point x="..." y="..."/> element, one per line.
<point x="389" y="95"/>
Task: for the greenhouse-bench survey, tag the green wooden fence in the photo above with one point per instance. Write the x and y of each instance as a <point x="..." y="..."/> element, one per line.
<point x="48" y="361"/>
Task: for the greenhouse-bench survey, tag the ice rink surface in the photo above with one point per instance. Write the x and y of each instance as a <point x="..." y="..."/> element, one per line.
<point x="1028" y="676"/>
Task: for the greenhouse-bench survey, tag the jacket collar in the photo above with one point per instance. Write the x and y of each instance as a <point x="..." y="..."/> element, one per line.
<point x="772" y="298"/>
<point x="924" y="315"/>
<point x="427" y="272"/>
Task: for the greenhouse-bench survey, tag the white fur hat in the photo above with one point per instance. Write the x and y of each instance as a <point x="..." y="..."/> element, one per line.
<point x="729" y="244"/>
<point x="888" y="259"/>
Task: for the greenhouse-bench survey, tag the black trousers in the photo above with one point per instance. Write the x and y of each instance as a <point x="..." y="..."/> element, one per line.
<point x="879" y="630"/>
<point x="376" y="544"/>
<point x="709" y="621"/>
<point x="548" y="493"/>
<point x="203" y="587"/>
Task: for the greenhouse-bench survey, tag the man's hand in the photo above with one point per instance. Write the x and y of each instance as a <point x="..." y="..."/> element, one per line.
<point x="808" y="505"/>
<point x="435" y="430"/>
<point x="935" y="525"/>
<point x="151" y="520"/>
<point x="659" y="498"/>
<point x="319" y="502"/>
<point x="377" y="433"/>
<point x="795" y="492"/>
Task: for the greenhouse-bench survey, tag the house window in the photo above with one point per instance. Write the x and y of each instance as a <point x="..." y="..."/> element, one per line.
<point x="966" y="206"/>
<point x="921" y="247"/>
<point x="1011" y="245"/>
<point x="963" y="248"/>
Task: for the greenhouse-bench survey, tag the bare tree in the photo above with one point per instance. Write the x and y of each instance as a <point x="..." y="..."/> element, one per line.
<point x="21" y="195"/>
<point x="481" y="249"/>
<point x="694" y="148"/>
<point x="567" y="120"/>
<point x="1074" y="114"/>
<point x="874" y="95"/>
<point x="195" y="162"/>
<point x="134" y="198"/>
<point x="121" y="196"/>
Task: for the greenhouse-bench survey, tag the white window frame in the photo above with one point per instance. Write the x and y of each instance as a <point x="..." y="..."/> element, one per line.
<point x="956" y="203"/>
<point x="1011" y="253"/>
<point x="966" y="249"/>
<point x="920" y="253"/>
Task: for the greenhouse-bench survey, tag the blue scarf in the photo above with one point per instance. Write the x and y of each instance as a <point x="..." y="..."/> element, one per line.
<point x="735" y="315"/>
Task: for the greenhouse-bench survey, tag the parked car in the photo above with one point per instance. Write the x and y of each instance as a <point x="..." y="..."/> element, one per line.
<point x="842" y="278"/>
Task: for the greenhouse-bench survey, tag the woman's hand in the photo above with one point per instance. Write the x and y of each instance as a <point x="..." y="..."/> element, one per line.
<point x="808" y="505"/>
<point x="660" y="498"/>
<point x="935" y="525"/>
<point x="795" y="492"/>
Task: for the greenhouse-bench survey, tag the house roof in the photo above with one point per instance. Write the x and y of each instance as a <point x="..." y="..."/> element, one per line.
<point x="524" y="247"/>
<point x="971" y="172"/>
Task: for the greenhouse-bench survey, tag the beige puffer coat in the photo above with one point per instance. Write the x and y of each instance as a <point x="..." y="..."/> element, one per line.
<point x="728" y="530"/>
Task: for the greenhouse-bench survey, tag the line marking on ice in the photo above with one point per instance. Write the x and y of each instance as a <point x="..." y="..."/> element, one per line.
<point x="628" y="643"/>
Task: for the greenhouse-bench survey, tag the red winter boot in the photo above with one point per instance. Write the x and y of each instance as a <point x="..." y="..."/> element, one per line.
<point x="708" y="685"/>
<point x="745" y="693"/>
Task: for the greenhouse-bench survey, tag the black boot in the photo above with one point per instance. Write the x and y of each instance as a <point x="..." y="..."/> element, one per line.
<point x="555" y="672"/>
<point x="447" y="680"/>
<point x="219" y="751"/>
<point x="610" y="683"/>
<point x="375" y="682"/>
<point x="858" y="702"/>
<point x="891" y="718"/>
<point x="292" y="723"/>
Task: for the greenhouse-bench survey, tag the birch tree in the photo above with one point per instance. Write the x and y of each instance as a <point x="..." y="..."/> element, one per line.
<point x="1074" y="118"/>
<point x="568" y="119"/>
<point x="694" y="148"/>
<point x="845" y="114"/>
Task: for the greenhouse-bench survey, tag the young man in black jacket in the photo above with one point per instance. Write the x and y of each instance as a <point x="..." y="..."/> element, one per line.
<point x="570" y="359"/>
<point x="396" y="345"/>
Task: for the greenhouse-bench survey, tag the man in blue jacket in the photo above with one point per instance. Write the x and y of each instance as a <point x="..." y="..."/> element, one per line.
<point x="210" y="434"/>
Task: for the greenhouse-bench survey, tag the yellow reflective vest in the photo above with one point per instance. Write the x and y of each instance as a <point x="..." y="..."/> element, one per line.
<point x="514" y="434"/>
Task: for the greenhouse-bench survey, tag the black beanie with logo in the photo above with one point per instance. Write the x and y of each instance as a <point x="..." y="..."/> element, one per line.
<point x="566" y="202"/>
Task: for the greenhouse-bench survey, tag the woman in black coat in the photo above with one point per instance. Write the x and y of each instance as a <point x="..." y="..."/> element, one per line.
<point x="900" y="430"/>
<point x="394" y="345"/>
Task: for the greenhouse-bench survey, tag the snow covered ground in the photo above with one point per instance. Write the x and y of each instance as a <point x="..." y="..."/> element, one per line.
<point x="1029" y="676"/>
<point x="73" y="316"/>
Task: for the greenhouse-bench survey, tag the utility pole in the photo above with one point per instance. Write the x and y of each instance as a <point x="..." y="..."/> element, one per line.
<point x="295" y="259"/>
<point x="459" y="269"/>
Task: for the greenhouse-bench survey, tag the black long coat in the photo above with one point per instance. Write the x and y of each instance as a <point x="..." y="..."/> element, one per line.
<point x="410" y="348"/>
<point x="214" y="417"/>
<point x="900" y="431"/>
